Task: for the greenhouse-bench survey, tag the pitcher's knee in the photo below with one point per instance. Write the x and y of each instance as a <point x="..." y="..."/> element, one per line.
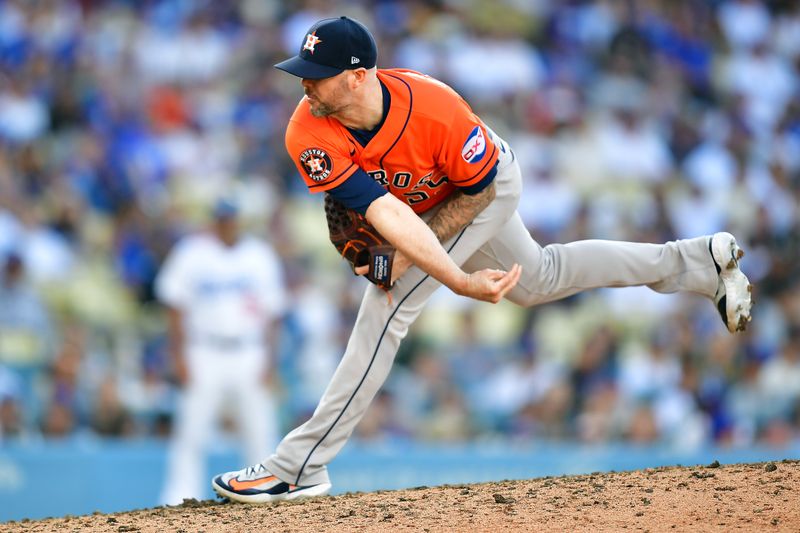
<point x="523" y="297"/>
<point x="540" y="283"/>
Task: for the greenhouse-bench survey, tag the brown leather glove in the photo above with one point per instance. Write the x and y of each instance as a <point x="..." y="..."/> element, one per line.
<point x="359" y="242"/>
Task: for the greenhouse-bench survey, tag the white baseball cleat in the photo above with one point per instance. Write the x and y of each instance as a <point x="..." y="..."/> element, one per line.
<point x="733" y="298"/>
<point x="256" y="484"/>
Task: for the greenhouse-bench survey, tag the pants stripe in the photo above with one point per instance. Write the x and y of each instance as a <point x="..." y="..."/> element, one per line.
<point x="372" y="360"/>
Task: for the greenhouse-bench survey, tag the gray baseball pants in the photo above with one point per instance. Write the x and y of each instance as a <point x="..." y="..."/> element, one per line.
<point x="496" y="238"/>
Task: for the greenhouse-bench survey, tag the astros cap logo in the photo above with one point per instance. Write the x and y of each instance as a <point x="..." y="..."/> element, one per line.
<point x="348" y="45"/>
<point x="311" y="41"/>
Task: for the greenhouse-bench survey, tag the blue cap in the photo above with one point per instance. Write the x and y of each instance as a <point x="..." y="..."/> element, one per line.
<point x="332" y="46"/>
<point x="225" y="208"/>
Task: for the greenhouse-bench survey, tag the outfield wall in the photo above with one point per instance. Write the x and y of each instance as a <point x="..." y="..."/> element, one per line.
<point x="82" y="476"/>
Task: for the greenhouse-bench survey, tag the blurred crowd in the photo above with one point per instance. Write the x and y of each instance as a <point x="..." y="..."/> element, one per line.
<point x="646" y="120"/>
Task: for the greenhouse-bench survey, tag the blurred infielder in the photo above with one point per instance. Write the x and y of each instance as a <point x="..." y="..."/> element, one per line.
<point x="224" y="293"/>
<point x="407" y="152"/>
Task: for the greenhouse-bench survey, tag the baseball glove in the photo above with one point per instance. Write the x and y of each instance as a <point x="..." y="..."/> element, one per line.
<point x="359" y="242"/>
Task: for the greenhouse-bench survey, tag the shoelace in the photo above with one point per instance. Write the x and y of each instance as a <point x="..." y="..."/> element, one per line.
<point x="253" y="470"/>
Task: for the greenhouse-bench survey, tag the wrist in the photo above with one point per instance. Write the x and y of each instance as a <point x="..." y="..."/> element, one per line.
<point x="462" y="284"/>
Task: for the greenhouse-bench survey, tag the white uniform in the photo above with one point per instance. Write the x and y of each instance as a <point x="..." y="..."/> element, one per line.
<point x="227" y="296"/>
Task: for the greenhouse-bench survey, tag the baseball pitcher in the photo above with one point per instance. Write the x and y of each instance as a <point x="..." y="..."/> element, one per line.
<point x="416" y="168"/>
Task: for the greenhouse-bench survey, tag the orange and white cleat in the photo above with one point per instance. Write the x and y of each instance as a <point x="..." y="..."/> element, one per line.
<point x="256" y="484"/>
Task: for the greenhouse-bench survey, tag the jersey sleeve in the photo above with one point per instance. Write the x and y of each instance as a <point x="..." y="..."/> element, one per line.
<point x="468" y="154"/>
<point x="358" y="191"/>
<point x="173" y="279"/>
<point x="321" y="160"/>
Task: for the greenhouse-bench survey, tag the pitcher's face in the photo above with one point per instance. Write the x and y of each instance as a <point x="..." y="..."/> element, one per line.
<point x="327" y="96"/>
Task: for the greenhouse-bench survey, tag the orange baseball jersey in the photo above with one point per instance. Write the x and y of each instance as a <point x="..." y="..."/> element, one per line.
<point x="430" y="143"/>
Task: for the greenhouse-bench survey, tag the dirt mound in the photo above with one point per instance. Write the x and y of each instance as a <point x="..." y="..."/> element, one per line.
<point x="751" y="497"/>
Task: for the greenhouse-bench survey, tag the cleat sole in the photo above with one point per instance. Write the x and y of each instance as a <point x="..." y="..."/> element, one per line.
<point x="320" y="489"/>
<point x="738" y="289"/>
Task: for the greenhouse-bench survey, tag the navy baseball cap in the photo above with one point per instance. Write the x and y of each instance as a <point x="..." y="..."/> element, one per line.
<point x="332" y="46"/>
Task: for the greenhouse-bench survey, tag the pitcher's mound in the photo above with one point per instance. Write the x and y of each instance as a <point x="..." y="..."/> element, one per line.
<point x="750" y="497"/>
